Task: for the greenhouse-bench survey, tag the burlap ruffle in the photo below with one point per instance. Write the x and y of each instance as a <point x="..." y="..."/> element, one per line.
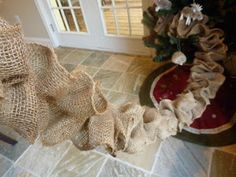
<point x="13" y="63"/>
<point x="210" y="44"/>
<point x="58" y="106"/>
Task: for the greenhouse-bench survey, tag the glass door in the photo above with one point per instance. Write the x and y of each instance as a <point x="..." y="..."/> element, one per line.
<point x="109" y="25"/>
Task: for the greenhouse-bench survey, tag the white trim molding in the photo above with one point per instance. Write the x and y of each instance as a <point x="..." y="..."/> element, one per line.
<point x="43" y="41"/>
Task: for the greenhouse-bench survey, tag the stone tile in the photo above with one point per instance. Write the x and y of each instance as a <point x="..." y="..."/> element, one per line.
<point x="129" y="83"/>
<point x="154" y="175"/>
<point x="96" y="59"/>
<point x="101" y="149"/>
<point x="41" y="160"/>
<point x="223" y="164"/>
<point x="107" y="78"/>
<point x="105" y="92"/>
<point x="143" y="66"/>
<point x="144" y="159"/>
<point x="175" y="160"/>
<point x="117" y="98"/>
<point x="76" y="56"/>
<point x="113" y="168"/>
<point x="118" y="63"/>
<point x="230" y="148"/>
<point x="69" y="67"/>
<point x="78" y="164"/>
<point x="18" y="172"/>
<point x="12" y="152"/>
<point x="62" y="52"/>
<point x="90" y="70"/>
<point x="139" y="83"/>
<point x="202" y="154"/>
<point x="133" y="99"/>
<point x="4" y="165"/>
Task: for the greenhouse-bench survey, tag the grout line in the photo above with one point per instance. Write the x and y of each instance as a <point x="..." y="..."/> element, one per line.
<point x="123" y="162"/>
<point x="111" y="90"/>
<point x="7" y="159"/>
<point x="210" y="164"/>
<point x="59" y="160"/>
<point x="98" y="152"/>
<point x="5" y="174"/>
<point x="154" y="165"/>
<point x="194" y="157"/>
<point x="61" y="61"/>
<point x="102" y="166"/>
<point x="156" y="156"/>
<point x="96" y="72"/>
<point x="27" y="149"/>
<point x="129" y="164"/>
<point x="80" y="63"/>
<point x="24" y="169"/>
<point x="181" y="157"/>
<point x="27" y="170"/>
<point x="14" y="163"/>
<point x="21" y="156"/>
<point x="160" y="147"/>
<point x="99" y="68"/>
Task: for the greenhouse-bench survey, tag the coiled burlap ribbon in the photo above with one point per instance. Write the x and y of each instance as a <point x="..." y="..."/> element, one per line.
<point x="39" y="97"/>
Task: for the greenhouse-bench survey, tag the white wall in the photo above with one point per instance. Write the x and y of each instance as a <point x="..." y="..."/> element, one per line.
<point x="31" y="21"/>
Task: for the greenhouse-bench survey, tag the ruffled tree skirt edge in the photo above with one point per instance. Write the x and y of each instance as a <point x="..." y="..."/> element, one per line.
<point x="217" y="125"/>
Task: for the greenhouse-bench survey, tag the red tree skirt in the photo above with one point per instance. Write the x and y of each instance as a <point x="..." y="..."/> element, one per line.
<point x="218" y="116"/>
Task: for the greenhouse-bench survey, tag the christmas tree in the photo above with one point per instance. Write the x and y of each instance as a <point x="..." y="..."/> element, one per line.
<point x="164" y="14"/>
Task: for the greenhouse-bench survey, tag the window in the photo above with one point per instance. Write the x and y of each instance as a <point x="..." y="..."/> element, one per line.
<point x="68" y="15"/>
<point x="122" y="17"/>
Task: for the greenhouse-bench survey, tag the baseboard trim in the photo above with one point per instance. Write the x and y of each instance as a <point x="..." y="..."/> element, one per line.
<point x="43" y="41"/>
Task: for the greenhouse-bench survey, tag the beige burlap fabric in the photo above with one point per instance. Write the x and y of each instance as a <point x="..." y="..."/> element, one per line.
<point x="13" y="54"/>
<point x="38" y="96"/>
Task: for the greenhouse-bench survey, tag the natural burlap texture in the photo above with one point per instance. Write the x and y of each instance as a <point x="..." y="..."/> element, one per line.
<point x="13" y="53"/>
<point x="49" y="101"/>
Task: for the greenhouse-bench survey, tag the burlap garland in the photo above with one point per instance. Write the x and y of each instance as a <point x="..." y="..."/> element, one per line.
<point x="211" y="45"/>
<point x="50" y="101"/>
<point x="13" y="53"/>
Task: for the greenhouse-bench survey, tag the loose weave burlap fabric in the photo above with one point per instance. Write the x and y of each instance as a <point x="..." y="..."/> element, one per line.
<point x="210" y="44"/>
<point x="50" y="102"/>
<point x="13" y="53"/>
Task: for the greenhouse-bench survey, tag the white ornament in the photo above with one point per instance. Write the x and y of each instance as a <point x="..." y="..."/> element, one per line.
<point x="179" y="58"/>
<point x="162" y="4"/>
<point x="192" y="13"/>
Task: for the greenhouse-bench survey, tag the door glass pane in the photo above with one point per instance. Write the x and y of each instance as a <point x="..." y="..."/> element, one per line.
<point x="120" y="3"/>
<point x="126" y="19"/>
<point x="109" y="21"/>
<point x="135" y="3"/>
<point x="75" y="3"/>
<point x="70" y="20"/>
<point x="123" y="21"/>
<point x="64" y="3"/>
<point x="80" y="20"/>
<point x="106" y="2"/>
<point x="59" y="20"/>
<point x="135" y="20"/>
<point x="54" y="3"/>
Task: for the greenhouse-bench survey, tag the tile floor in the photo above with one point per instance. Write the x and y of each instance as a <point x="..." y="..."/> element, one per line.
<point x="121" y="77"/>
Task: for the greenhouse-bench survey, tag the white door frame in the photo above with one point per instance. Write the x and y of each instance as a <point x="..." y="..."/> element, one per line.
<point x="46" y="21"/>
<point x="103" y="42"/>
